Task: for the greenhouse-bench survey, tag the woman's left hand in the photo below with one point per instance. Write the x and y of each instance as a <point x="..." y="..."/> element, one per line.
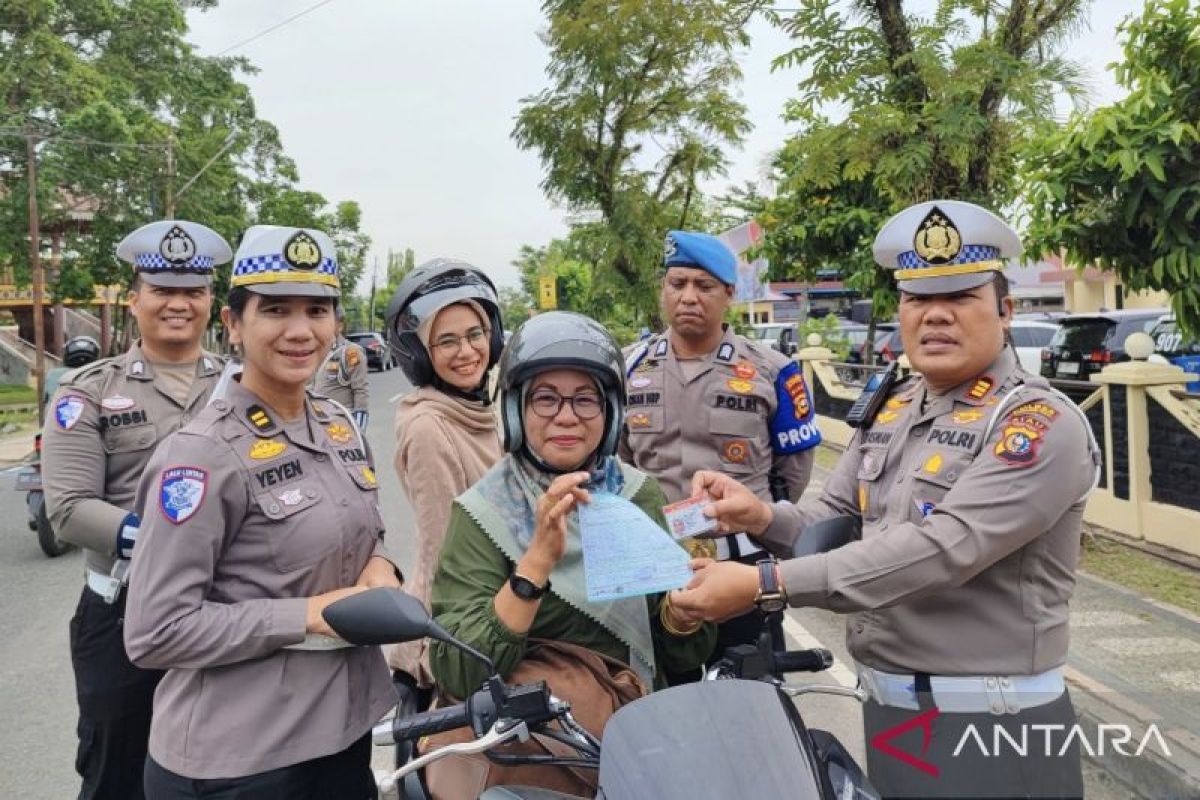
<point x="378" y="573"/>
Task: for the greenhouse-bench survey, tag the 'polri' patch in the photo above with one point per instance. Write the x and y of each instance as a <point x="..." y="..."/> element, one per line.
<point x="181" y="491"/>
<point x="68" y="410"/>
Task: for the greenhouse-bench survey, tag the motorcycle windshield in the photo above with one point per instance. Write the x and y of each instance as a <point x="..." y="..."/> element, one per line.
<point x="727" y="738"/>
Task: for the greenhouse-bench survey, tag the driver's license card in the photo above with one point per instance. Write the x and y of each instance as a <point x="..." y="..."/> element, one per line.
<point x="686" y="519"/>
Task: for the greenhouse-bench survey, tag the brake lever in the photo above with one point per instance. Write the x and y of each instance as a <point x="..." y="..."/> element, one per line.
<point x="503" y="730"/>
<point x="857" y="693"/>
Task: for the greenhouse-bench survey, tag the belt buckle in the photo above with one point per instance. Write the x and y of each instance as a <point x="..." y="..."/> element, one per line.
<point x="112" y="589"/>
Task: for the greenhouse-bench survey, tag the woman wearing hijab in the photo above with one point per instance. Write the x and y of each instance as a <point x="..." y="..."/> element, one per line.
<point x="446" y="333"/>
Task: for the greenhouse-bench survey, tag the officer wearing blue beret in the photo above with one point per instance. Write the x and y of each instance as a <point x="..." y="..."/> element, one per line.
<point x="703" y="397"/>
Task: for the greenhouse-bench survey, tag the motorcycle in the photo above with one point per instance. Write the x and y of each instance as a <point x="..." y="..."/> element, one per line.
<point x="29" y="480"/>
<point x="737" y="733"/>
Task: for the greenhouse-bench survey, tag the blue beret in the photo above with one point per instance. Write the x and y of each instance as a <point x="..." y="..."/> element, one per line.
<point x="700" y="250"/>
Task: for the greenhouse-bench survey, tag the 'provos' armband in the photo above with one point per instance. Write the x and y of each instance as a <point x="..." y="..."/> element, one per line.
<point x="794" y="426"/>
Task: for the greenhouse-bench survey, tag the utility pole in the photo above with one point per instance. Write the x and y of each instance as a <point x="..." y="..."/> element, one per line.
<point x="169" y="211"/>
<point x="371" y="313"/>
<point x="35" y="267"/>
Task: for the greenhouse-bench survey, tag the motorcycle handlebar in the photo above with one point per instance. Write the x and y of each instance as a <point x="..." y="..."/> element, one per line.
<point x="427" y="723"/>
<point x="814" y="660"/>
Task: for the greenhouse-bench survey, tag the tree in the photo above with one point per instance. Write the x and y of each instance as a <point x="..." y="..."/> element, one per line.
<point x="639" y="107"/>
<point x="515" y="307"/>
<point x="934" y="107"/>
<point x="1121" y="187"/>
<point x="126" y="112"/>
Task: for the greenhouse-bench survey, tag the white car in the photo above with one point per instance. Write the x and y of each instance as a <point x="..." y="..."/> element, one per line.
<point x="1029" y="337"/>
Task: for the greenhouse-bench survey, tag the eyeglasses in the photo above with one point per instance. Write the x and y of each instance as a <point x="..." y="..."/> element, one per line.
<point x="451" y="344"/>
<point x="547" y="404"/>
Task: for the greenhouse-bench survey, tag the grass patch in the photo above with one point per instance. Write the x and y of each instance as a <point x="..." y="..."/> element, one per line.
<point x="15" y="393"/>
<point x="1144" y="574"/>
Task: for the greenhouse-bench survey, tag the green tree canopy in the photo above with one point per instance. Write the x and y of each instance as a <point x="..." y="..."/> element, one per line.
<point x="927" y="107"/>
<point x="639" y="108"/>
<point x="1121" y="187"/>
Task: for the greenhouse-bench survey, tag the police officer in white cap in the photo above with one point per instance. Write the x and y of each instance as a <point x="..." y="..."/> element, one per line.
<point x="969" y="483"/>
<point x="101" y="428"/>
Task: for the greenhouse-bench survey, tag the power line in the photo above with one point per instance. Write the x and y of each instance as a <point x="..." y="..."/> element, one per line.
<point x="274" y="27"/>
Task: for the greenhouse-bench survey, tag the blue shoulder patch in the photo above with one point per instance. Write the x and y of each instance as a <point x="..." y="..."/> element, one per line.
<point x="181" y="491"/>
<point x="794" y="426"/>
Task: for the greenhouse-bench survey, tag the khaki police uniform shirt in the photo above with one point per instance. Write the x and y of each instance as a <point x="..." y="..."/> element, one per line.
<point x="100" y="430"/>
<point x="343" y="376"/>
<point x="243" y="519"/>
<point x="970" y="541"/>
<point x="728" y="412"/>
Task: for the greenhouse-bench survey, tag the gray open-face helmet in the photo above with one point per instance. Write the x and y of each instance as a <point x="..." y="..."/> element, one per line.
<point x="421" y="295"/>
<point x="80" y="350"/>
<point x="561" y="340"/>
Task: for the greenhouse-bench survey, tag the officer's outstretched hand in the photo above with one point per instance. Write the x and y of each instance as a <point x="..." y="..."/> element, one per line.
<point x="717" y="591"/>
<point x="734" y="507"/>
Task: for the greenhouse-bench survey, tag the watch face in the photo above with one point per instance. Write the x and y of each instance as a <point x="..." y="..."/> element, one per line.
<point x="771" y="604"/>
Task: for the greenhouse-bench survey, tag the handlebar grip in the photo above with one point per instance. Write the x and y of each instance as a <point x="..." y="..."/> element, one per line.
<point x="813" y="660"/>
<point x="430" y="722"/>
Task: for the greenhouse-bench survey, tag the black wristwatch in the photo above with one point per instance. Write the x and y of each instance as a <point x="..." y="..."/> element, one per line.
<point x="524" y="588"/>
<point x="770" y="597"/>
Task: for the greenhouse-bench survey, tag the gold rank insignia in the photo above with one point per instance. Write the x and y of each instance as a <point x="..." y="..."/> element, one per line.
<point x="885" y="416"/>
<point x="897" y="402"/>
<point x="740" y="386"/>
<point x="933" y="464"/>
<point x="369" y="476"/>
<point x="980" y="389"/>
<point x="339" y="433"/>
<point x="258" y="417"/>
<point x="638" y="420"/>
<point x="352" y="357"/>
<point x="862" y="499"/>
<point x="266" y="448"/>
<point x="966" y="417"/>
<point x="302" y="252"/>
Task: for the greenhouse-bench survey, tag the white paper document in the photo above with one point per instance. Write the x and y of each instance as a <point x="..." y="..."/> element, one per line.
<point x="625" y="553"/>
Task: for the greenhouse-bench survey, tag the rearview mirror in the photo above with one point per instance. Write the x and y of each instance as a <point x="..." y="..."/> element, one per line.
<point x="379" y="616"/>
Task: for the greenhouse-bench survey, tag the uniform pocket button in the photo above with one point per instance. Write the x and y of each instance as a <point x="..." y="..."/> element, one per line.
<point x="952" y="475"/>
<point x="273" y="508"/>
<point x="344" y="501"/>
<point x="319" y="457"/>
<point x="310" y="494"/>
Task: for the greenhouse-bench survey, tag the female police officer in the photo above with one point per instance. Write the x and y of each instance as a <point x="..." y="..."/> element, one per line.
<point x="970" y="485"/>
<point x="256" y="516"/>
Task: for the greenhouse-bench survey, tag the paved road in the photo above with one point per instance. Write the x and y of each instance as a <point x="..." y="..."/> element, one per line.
<point x="1121" y="642"/>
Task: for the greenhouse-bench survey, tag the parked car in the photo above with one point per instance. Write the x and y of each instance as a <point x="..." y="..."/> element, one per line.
<point x="779" y="336"/>
<point x="379" y="355"/>
<point x="1085" y="343"/>
<point x="1029" y="338"/>
<point x="1173" y="346"/>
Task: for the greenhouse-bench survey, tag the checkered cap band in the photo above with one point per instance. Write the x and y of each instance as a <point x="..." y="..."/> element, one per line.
<point x="969" y="254"/>
<point x="256" y="265"/>
<point x="152" y="262"/>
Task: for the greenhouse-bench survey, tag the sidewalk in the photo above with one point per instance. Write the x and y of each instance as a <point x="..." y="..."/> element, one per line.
<point x="17" y="446"/>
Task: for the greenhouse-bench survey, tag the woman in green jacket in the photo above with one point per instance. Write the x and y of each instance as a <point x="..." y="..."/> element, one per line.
<point x="511" y="568"/>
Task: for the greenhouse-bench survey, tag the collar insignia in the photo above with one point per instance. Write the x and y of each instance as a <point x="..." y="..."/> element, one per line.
<point x="259" y="417"/>
<point x="660" y="349"/>
<point x="980" y="389"/>
<point x="725" y="352"/>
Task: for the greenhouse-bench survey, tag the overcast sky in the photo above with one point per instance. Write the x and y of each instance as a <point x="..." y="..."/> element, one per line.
<point x="406" y="106"/>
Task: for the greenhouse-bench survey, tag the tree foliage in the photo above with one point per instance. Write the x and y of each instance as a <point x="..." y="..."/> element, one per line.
<point x="639" y="108"/>
<point x="125" y="112"/>
<point x="1121" y="187"/>
<point x="927" y="107"/>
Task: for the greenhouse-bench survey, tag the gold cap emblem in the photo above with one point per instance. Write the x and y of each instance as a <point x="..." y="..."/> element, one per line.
<point x="302" y="252"/>
<point x="937" y="240"/>
<point x="177" y="247"/>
